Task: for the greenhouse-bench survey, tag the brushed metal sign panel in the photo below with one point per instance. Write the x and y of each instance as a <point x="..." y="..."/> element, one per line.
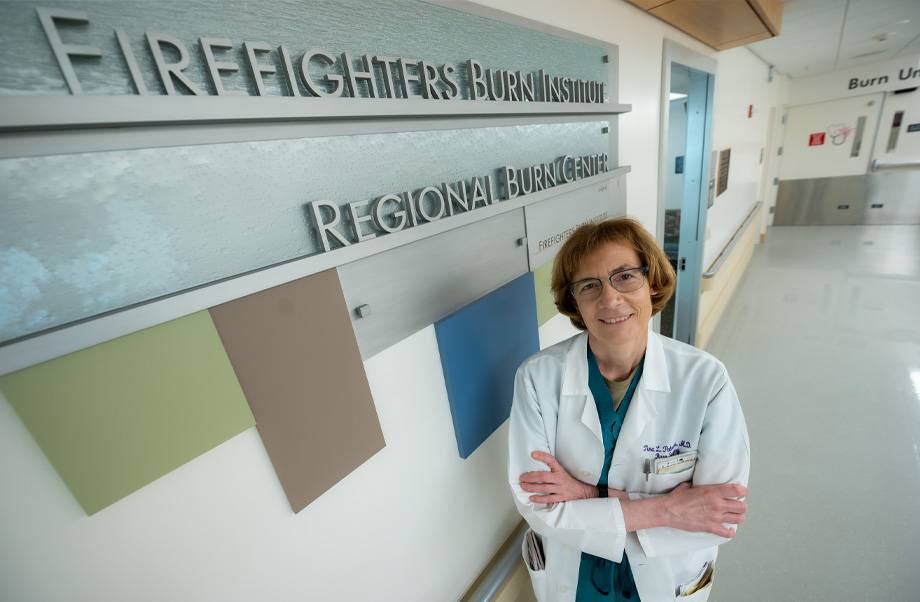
<point x="403" y="290"/>
<point x="892" y="198"/>
<point x="872" y="199"/>
<point x="551" y="222"/>
<point x="820" y="201"/>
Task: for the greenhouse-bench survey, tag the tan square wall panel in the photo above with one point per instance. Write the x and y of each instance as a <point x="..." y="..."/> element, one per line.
<point x="297" y="361"/>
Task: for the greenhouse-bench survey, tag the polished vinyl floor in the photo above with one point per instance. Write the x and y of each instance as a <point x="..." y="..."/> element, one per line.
<point x="822" y="342"/>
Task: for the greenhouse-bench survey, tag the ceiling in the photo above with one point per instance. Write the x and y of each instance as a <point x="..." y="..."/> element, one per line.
<point x="823" y="35"/>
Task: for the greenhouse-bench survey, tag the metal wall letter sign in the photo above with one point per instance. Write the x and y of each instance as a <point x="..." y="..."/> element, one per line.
<point x="392" y="213"/>
<point x="367" y="132"/>
<point x="238" y="67"/>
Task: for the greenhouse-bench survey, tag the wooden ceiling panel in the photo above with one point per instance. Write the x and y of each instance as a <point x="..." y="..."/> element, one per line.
<point x="722" y="24"/>
<point x="649" y="4"/>
<point x="771" y="13"/>
<point x="763" y="35"/>
<point x="732" y="20"/>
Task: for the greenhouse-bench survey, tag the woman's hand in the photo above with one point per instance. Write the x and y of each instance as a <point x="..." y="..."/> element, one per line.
<point x="703" y="508"/>
<point x="699" y="508"/>
<point x="554" y="485"/>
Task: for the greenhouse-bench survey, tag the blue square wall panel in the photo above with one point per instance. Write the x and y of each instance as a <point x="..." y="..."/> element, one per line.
<point x="481" y="347"/>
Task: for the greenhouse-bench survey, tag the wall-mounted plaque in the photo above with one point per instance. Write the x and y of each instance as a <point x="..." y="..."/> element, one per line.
<point x="724" y="160"/>
<point x="551" y="222"/>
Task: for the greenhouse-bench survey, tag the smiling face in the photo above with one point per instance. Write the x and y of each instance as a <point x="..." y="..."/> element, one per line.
<point x="615" y="319"/>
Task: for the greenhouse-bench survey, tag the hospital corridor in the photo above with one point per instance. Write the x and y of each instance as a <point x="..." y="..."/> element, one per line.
<point x="822" y="341"/>
<point x="324" y="301"/>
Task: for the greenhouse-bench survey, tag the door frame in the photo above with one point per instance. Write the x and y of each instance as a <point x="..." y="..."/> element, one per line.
<point x="675" y="53"/>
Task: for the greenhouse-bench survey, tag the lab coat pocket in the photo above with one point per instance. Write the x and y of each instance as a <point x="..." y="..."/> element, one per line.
<point x="700" y="595"/>
<point x="534" y="560"/>
<point x="699" y="588"/>
<point x="664" y="483"/>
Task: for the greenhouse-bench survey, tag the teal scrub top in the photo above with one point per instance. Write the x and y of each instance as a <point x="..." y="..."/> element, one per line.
<point x="599" y="579"/>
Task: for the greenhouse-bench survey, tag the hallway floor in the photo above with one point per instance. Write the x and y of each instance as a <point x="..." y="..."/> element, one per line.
<point x="822" y="342"/>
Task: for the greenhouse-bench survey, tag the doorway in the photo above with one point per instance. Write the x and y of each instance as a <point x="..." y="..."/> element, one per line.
<point x="686" y="182"/>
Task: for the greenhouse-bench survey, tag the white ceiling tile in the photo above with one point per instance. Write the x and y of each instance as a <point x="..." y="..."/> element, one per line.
<point x="912" y="48"/>
<point x="883" y="21"/>
<point x="796" y="9"/>
<point x="861" y="8"/>
<point x="819" y="19"/>
<point x="813" y="32"/>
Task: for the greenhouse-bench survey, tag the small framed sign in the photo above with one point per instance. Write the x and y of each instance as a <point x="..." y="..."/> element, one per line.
<point x="724" y="161"/>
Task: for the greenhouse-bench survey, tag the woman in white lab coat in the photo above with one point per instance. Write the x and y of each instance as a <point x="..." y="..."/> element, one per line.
<point x="628" y="450"/>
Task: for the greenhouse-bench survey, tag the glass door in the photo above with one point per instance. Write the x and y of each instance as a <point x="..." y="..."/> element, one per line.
<point x="687" y="191"/>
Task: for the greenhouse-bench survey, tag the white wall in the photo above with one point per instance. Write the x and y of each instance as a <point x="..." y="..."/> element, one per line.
<point x="741" y="82"/>
<point x="415" y="522"/>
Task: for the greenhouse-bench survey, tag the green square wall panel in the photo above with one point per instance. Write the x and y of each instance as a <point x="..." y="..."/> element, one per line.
<point x="542" y="284"/>
<point x="117" y="416"/>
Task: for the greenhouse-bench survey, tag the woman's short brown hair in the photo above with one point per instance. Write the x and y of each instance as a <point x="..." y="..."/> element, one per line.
<point x="589" y="238"/>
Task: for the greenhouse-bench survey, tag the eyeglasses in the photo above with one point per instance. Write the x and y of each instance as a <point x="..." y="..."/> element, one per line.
<point x="624" y="281"/>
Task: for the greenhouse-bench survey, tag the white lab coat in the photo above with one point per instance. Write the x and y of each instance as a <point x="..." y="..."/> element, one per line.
<point x="684" y="399"/>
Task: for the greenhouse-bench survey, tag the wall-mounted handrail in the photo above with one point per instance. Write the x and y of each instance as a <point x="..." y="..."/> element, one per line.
<point x="731" y="244"/>
<point x="877" y="165"/>
<point x="502" y="569"/>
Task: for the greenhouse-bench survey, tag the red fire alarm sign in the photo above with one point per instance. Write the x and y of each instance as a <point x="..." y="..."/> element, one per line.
<point x="816" y="139"/>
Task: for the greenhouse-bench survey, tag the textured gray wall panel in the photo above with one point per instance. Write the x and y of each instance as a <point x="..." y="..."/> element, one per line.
<point x="407" y="29"/>
<point x="83" y="234"/>
<point x="413" y="286"/>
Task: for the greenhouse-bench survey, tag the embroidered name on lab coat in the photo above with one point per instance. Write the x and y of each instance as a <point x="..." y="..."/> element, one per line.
<point x="665" y="451"/>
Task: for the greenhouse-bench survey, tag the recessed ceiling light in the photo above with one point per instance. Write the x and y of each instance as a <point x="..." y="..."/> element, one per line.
<point x="859" y="56"/>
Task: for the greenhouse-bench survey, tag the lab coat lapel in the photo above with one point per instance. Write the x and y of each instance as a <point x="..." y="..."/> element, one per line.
<point x="575" y="383"/>
<point x="642" y="407"/>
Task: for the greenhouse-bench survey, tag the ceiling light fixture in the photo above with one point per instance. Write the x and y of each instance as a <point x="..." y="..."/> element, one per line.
<point x="864" y="55"/>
